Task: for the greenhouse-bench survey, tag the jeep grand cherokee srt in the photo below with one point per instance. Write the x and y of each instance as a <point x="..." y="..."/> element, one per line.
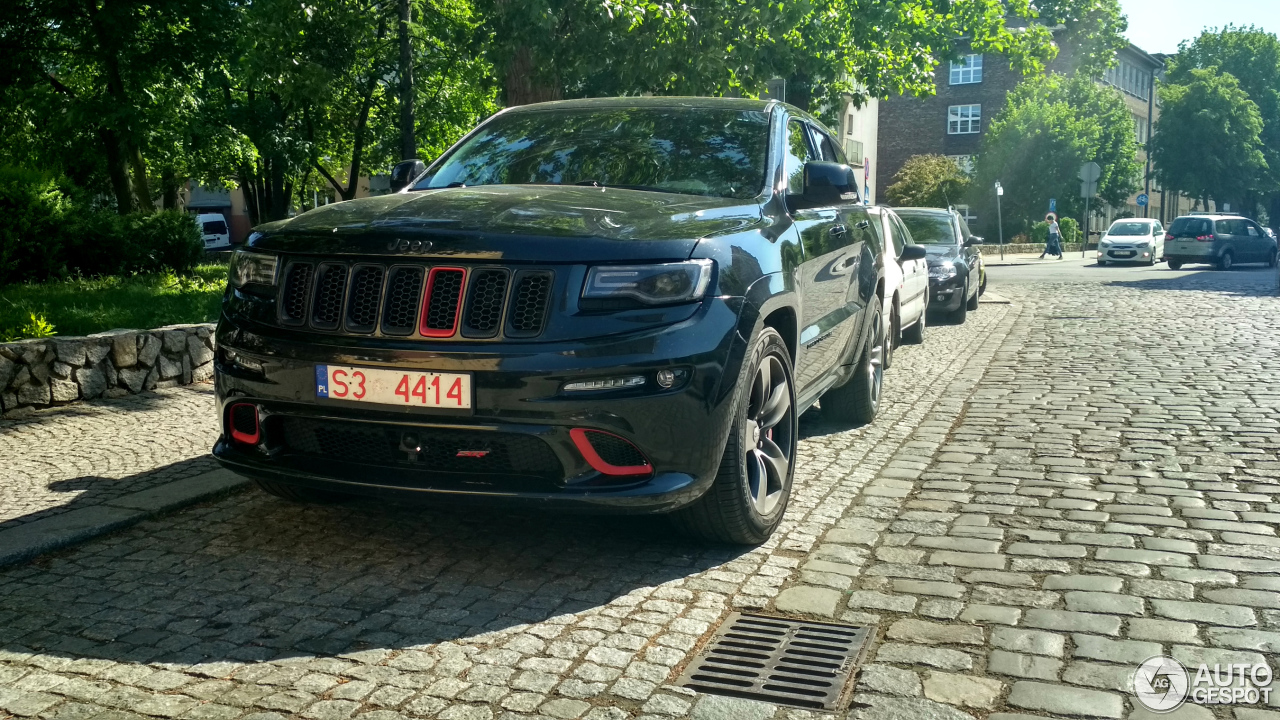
<point x="617" y="304"/>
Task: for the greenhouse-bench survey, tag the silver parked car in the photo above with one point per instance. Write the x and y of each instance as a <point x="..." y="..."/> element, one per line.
<point x="906" y="283"/>
<point x="1221" y="240"/>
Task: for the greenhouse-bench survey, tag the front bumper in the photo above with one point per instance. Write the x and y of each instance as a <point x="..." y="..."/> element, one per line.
<point x="1127" y="253"/>
<point x="946" y="294"/>
<point x="521" y="418"/>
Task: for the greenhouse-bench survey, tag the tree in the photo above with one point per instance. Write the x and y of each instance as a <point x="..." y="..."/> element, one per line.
<point x="548" y="49"/>
<point x="1252" y="56"/>
<point x="928" y="181"/>
<point x="1208" y="140"/>
<point x="1050" y="126"/>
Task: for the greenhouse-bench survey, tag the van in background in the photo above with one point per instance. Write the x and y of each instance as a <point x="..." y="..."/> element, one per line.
<point x="214" y="231"/>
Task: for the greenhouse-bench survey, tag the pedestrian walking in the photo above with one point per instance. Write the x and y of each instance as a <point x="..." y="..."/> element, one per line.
<point x="1054" y="244"/>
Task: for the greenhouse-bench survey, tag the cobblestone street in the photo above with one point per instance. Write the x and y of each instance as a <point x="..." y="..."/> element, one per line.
<point x="1055" y="491"/>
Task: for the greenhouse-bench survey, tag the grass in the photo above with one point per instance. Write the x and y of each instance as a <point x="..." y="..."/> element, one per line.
<point x="84" y="306"/>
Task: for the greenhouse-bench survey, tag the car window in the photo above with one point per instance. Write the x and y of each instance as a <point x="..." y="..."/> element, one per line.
<point x="215" y="227"/>
<point x="827" y="147"/>
<point x="964" y="227"/>
<point x="1253" y="231"/>
<point x="903" y="233"/>
<point x="798" y="153"/>
<point x="895" y="240"/>
<point x="1189" y="227"/>
<point x="1225" y="227"/>
<point x="713" y="152"/>
<point x="930" y="228"/>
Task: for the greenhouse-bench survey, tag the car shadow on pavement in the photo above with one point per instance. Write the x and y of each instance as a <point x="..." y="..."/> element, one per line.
<point x="94" y="490"/>
<point x="251" y="578"/>
<point x="1244" y="281"/>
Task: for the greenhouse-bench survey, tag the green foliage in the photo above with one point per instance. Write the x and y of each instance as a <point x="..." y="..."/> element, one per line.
<point x="1208" y="139"/>
<point x="1251" y="56"/>
<point x="1070" y="229"/>
<point x="81" y="306"/>
<point x="1049" y="128"/>
<point x="928" y="181"/>
<point x="47" y="234"/>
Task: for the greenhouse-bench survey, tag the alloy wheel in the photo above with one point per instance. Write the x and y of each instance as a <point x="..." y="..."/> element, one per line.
<point x="768" y="435"/>
<point x="875" y="364"/>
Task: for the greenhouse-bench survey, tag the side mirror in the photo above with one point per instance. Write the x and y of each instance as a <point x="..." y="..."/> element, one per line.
<point x="914" y="252"/>
<point x="404" y="173"/>
<point x="973" y="240"/>
<point x="826" y="183"/>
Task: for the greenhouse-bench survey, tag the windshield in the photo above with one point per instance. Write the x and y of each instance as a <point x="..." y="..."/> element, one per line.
<point x="929" y="229"/>
<point x="1130" y="228"/>
<point x="714" y="152"/>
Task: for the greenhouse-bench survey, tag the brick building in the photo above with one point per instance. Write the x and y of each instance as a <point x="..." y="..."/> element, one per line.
<point x="972" y="90"/>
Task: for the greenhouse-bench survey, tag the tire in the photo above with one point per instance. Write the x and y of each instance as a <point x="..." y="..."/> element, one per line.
<point x="915" y="333"/>
<point x="982" y="288"/>
<point x="749" y="497"/>
<point x="1225" y="261"/>
<point x="891" y="342"/>
<point x="1271" y="259"/>
<point x="959" y="315"/>
<point x="973" y="304"/>
<point x="1175" y="264"/>
<point x="297" y="493"/>
<point x="858" y="400"/>
<point x="1152" y="261"/>
<point x="1102" y="263"/>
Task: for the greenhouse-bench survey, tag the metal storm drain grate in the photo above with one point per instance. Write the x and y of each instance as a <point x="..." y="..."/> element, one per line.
<point x="778" y="660"/>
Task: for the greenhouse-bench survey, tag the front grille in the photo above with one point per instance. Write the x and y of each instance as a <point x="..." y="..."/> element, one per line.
<point x="366" y="294"/>
<point x="294" y="294"/>
<point x="364" y="298"/>
<point x="331" y="285"/>
<point x="529" y="304"/>
<point x="616" y="451"/>
<point x="428" y="449"/>
<point x="444" y="295"/>
<point x="404" y="289"/>
<point x="483" y="315"/>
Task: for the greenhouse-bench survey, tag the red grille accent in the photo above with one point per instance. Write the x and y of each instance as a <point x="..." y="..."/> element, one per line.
<point x="442" y="302"/>
<point x="616" y="447"/>
<point x="244" y="424"/>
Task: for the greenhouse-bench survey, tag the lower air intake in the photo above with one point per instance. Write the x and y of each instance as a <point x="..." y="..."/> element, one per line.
<point x="778" y="660"/>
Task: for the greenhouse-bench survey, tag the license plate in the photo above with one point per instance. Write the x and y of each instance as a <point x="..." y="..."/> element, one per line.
<point x="406" y="388"/>
<point x="1128" y="253"/>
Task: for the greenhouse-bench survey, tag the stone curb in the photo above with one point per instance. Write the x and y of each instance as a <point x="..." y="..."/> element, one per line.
<point x="25" y="542"/>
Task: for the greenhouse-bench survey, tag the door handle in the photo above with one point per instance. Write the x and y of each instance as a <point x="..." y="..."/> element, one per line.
<point x="838" y="229"/>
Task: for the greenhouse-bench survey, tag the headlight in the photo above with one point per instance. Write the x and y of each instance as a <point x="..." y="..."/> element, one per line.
<point x="661" y="284"/>
<point x="1142" y="243"/>
<point x="251" y="268"/>
<point x="942" y="272"/>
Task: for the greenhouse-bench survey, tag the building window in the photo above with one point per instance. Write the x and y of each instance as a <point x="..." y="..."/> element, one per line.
<point x="968" y="70"/>
<point x="964" y="119"/>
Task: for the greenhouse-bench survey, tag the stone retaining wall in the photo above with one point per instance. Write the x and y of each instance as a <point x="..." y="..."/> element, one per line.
<point x="1023" y="248"/>
<point x="52" y="371"/>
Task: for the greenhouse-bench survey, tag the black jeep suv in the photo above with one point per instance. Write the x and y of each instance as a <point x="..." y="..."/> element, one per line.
<point x="618" y="304"/>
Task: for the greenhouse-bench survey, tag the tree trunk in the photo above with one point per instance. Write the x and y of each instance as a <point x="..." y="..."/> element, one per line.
<point x="281" y="189"/>
<point x="408" y="144"/>
<point x="141" y="188"/>
<point x="249" y="188"/>
<point x="522" y="86"/>
<point x="169" y="188"/>
<point x="117" y="171"/>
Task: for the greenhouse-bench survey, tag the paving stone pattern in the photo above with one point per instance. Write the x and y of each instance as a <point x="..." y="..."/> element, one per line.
<point x="1040" y="505"/>
<point x="65" y="458"/>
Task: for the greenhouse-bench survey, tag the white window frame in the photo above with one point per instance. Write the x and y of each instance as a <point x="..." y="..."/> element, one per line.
<point x="964" y="119"/>
<point x="968" y="71"/>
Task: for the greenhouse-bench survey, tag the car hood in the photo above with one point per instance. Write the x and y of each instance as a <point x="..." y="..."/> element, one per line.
<point x="939" y="254"/>
<point x="539" y="223"/>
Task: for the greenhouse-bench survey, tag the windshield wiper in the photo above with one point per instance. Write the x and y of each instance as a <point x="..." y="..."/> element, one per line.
<point x="647" y="188"/>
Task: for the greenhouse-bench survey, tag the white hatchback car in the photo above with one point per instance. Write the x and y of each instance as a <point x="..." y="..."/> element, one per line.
<point x="906" y="281"/>
<point x="1132" y="240"/>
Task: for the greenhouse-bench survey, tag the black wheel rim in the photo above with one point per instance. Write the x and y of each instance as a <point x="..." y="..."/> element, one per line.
<point x="769" y="441"/>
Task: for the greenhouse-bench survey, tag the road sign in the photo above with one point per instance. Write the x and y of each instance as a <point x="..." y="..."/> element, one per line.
<point x="1089" y="189"/>
<point x="1053" y="205"/>
<point x="1142" y="200"/>
<point x="1090" y="172"/>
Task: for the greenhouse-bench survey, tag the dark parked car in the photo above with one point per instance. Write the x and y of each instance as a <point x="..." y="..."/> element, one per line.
<point x="618" y="304"/>
<point x="956" y="273"/>
<point x="1221" y="240"/>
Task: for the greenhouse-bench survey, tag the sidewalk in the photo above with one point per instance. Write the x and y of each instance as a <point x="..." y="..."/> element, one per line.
<point x="1012" y="259"/>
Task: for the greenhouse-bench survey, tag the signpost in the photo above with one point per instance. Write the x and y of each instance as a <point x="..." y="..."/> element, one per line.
<point x="1089" y="174"/>
<point x="1143" y="200"/>
<point x="1000" y="217"/>
<point x="1053" y="205"/>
